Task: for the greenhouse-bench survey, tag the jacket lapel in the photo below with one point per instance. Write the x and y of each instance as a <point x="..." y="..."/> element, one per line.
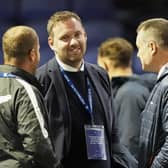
<point x="57" y="80"/>
<point x="95" y="80"/>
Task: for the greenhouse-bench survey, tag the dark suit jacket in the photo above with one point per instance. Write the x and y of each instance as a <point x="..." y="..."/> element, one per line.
<point x="154" y="127"/>
<point x="59" y="112"/>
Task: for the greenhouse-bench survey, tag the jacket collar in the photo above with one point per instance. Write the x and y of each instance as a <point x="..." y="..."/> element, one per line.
<point x="68" y="67"/>
<point x="163" y="72"/>
<point x="53" y="69"/>
<point x="31" y="79"/>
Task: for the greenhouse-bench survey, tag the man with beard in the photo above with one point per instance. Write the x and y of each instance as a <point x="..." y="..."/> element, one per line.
<point x="78" y="100"/>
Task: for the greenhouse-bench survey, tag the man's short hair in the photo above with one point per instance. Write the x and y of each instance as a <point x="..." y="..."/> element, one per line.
<point x="118" y="50"/>
<point x="158" y="29"/>
<point x="18" y="41"/>
<point x="60" y="16"/>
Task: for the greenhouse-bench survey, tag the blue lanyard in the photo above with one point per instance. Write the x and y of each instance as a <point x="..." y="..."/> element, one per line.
<point x="6" y="75"/>
<point x="88" y="107"/>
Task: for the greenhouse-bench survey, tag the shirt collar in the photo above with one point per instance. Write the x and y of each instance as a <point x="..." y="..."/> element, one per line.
<point x="68" y="67"/>
<point x="161" y="70"/>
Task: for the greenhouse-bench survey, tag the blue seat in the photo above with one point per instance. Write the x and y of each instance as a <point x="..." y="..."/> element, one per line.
<point x="98" y="31"/>
<point x="91" y="55"/>
<point x="41" y="9"/>
<point x="41" y="27"/>
<point x="4" y="26"/>
<point x="136" y="64"/>
<point x="93" y="9"/>
<point x="46" y="53"/>
<point x="8" y="9"/>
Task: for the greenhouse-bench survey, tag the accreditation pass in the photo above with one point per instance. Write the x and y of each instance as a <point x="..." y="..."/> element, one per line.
<point x="95" y="142"/>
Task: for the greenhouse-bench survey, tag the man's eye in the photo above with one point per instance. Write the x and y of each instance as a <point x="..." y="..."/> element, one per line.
<point x="77" y="34"/>
<point x="65" y="38"/>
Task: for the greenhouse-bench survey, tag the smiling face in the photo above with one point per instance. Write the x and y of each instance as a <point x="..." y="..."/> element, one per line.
<point x="69" y="41"/>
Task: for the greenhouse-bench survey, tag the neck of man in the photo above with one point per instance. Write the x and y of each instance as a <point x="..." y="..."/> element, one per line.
<point x="71" y="65"/>
<point x="21" y="64"/>
<point x="117" y="72"/>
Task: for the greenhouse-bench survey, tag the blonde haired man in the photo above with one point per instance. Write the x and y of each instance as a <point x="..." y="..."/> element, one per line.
<point x="24" y="139"/>
<point x="78" y="100"/>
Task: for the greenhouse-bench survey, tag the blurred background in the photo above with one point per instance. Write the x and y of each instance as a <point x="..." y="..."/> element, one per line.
<point x="102" y="19"/>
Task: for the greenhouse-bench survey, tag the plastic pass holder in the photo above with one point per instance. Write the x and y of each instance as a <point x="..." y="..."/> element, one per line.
<point x="95" y="142"/>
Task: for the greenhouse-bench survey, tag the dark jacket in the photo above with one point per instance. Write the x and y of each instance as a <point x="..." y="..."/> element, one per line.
<point x="154" y="127"/>
<point x="59" y="112"/>
<point x="24" y="139"/>
<point x="130" y="96"/>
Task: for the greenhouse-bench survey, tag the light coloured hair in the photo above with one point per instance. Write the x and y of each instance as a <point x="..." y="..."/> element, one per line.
<point x="158" y="28"/>
<point x="18" y="41"/>
<point x="60" y="16"/>
<point x="118" y="50"/>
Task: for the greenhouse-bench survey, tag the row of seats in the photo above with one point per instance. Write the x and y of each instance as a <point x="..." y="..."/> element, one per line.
<point x="97" y="31"/>
<point x="35" y="9"/>
<point x="98" y="18"/>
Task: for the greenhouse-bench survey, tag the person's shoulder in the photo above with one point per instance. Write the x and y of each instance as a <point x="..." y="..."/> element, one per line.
<point x="100" y="74"/>
<point x="133" y="88"/>
<point x="23" y="88"/>
<point x="162" y="84"/>
<point x="21" y="83"/>
<point x="51" y="62"/>
<point x="96" y="68"/>
<point x="43" y="69"/>
<point x="148" y="80"/>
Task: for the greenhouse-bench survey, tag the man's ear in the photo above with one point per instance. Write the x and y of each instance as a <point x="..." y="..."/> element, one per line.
<point x="50" y="42"/>
<point x="101" y="62"/>
<point x="32" y="55"/>
<point x="153" y="47"/>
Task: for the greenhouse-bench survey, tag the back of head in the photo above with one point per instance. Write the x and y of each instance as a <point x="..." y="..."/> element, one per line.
<point x="118" y="50"/>
<point x="17" y="43"/>
<point x="60" y="16"/>
<point x="155" y="29"/>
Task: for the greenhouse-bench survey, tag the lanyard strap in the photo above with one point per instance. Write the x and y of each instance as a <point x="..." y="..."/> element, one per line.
<point x="88" y="107"/>
<point x="6" y="75"/>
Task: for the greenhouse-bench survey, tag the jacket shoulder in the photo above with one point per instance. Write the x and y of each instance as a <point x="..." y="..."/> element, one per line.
<point x="42" y="71"/>
<point x="98" y="70"/>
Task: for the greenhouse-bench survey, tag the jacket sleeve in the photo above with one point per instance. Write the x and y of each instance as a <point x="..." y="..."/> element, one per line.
<point x="29" y="108"/>
<point x="161" y="159"/>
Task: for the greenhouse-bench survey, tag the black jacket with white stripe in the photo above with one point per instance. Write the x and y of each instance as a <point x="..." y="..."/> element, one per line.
<point x="24" y="141"/>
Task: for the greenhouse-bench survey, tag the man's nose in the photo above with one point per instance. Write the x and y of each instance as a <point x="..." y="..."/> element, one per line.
<point x="73" y="41"/>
